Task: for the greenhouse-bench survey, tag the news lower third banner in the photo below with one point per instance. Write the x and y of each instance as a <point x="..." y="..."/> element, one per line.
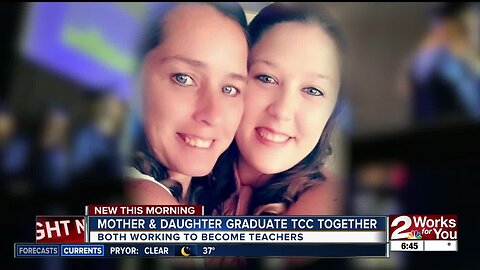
<point x="204" y="250"/>
<point x="143" y="231"/>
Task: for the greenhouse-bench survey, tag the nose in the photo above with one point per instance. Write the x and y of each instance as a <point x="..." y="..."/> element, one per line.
<point x="283" y="106"/>
<point x="208" y="109"/>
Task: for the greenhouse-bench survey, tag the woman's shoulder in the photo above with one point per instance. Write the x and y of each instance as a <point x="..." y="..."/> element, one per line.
<point x="145" y="192"/>
<point x="325" y="198"/>
<point x="144" y="189"/>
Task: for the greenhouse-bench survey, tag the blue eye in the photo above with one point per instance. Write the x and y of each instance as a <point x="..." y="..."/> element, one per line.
<point x="183" y="79"/>
<point x="230" y="91"/>
<point x="266" y="79"/>
<point x="313" y="91"/>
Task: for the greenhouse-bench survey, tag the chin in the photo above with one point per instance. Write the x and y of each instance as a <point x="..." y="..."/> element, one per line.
<point x="267" y="168"/>
<point x="200" y="174"/>
<point x="198" y="171"/>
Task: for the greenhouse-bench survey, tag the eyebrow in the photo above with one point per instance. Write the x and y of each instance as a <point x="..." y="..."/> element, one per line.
<point x="261" y="61"/>
<point x="200" y="64"/>
<point x="238" y="77"/>
<point x="185" y="60"/>
<point x="268" y="63"/>
<point x="319" y="75"/>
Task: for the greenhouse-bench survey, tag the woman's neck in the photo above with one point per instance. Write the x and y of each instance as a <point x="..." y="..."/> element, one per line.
<point x="249" y="176"/>
<point x="184" y="180"/>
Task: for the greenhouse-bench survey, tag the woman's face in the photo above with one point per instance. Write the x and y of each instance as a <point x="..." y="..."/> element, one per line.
<point x="192" y="88"/>
<point x="293" y="84"/>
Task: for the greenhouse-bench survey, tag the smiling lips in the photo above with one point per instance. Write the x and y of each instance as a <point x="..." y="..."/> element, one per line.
<point x="272" y="136"/>
<point x="195" y="141"/>
<point x="264" y="133"/>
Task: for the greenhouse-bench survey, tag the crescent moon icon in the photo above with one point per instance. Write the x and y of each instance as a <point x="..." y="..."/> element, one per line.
<point x="184" y="253"/>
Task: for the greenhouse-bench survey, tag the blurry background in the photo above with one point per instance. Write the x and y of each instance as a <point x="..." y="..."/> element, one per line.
<point x="406" y="140"/>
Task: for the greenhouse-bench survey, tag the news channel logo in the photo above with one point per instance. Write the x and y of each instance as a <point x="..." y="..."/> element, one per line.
<point x="423" y="227"/>
<point x="185" y="251"/>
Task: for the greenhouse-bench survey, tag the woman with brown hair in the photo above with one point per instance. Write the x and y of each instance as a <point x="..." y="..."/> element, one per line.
<point x="291" y="101"/>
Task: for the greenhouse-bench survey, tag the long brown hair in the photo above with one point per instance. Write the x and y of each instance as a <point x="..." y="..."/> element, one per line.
<point x="145" y="162"/>
<point x="287" y="186"/>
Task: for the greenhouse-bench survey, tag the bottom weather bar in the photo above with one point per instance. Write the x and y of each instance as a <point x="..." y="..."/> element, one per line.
<point x="187" y="250"/>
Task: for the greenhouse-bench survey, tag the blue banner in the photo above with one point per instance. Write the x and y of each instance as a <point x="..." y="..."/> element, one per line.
<point x="202" y="250"/>
<point x="205" y="223"/>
